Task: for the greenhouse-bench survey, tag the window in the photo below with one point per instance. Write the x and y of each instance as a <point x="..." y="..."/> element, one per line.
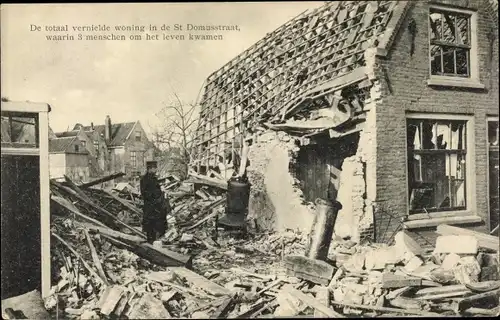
<point x="493" y="132"/>
<point x="19" y="130"/>
<point x="133" y="159"/>
<point x="77" y="148"/>
<point x="450" y="43"/>
<point x="96" y="145"/>
<point x="437" y="164"/>
<point x="137" y="136"/>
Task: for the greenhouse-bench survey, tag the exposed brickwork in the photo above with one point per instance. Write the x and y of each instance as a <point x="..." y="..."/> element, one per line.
<point x="404" y="82"/>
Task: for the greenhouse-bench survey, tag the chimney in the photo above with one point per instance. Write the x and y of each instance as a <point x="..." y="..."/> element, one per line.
<point x="107" y="129"/>
<point x="92" y="126"/>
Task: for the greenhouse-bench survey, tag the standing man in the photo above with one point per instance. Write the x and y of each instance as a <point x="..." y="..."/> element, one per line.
<point x="154" y="221"/>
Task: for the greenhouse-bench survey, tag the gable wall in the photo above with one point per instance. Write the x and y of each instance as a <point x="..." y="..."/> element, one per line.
<point x="405" y="89"/>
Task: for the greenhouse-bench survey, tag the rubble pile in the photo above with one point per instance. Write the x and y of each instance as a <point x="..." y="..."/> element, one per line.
<point x="104" y="269"/>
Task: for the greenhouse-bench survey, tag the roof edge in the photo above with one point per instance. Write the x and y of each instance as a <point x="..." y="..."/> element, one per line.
<point x="393" y="27"/>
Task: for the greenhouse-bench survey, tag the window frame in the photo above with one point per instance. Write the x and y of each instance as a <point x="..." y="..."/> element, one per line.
<point x="133" y="159"/>
<point x="473" y="80"/>
<point x="138" y="136"/>
<point x="489" y="118"/>
<point x="470" y="172"/>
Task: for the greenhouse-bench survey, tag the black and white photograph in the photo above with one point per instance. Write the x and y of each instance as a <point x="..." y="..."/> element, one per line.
<point x="220" y="160"/>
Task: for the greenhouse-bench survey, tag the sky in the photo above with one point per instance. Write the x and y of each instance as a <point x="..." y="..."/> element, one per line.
<point x="129" y="80"/>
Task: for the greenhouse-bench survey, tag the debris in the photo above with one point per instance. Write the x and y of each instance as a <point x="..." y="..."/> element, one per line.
<point x="483" y="240"/>
<point x="200" y="281"/>
<point x="463" y="244"/>
<point x="317" y="271"/>
<point x="390" y="280"/>
<point x="323" y="296"/>
<point x="310" y="301"/>
<point x="386" y="309"/>
<point x="224" y="308"/>
<point x="442" y="292"/>
<point x="110" y="299"/>
<point x="471" y="301"/>
<point x="149" y="307"/>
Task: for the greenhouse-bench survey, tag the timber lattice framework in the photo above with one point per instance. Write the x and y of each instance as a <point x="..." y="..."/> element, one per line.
<point x="290" y="66"/>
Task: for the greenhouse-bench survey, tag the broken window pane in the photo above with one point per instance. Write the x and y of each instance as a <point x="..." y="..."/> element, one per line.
<point x="435" y="22"/>
<point x="19" y="131"/>
<point x="428" y="139"/>
<point x="448" y="60"/>
<point x="443" y="136"/>
<point x="449" y="43"/>
<point x="462" y="29"/>
<point x="492" y="133"/>
<point x="436" y="60"/>
<point x="462" y="61"/>
<point x="448" y="27"/>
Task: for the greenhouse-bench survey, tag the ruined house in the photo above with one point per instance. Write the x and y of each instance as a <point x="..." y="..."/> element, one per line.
<point x="389" y="106"/>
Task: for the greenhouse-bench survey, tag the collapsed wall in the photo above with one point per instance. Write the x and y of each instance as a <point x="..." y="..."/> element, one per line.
<point x="276" y="202"/>
<point x="357" y="191"/>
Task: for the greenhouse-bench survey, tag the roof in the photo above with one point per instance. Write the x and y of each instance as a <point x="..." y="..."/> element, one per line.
<point x="293" y="60"/>
<point x="64" y="134"/>
<point x="119" y="132"/>
<point x="60" y="145"/>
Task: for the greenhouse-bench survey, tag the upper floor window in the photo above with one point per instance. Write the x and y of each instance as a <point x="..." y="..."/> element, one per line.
<point x="77" y="148"/>
<point x="137" y="136"/>
<point x="96" y="145"/>
<point x="133" y="159"/>
<point x="450" y="43"/>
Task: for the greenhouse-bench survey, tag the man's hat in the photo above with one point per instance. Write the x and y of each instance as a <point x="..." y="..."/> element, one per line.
<point x="151" y="164"/>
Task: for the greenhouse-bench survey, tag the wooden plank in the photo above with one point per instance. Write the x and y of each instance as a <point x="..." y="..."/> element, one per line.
<point x="485" y="240"/>
<point x="317" y="305"/>
<point x="200" y="281"/>
<point x="200" y="179"/>
<point x="101" y="180"/>
<point x="390" y="280"/>
<point x="95" y="258"/>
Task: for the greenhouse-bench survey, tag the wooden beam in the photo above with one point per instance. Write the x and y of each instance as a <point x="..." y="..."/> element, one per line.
<point x="101" y="180"/>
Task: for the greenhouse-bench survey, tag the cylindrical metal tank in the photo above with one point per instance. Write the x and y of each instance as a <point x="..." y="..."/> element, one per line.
<point x="238" y="195"/>
<point x="321" y="233"/>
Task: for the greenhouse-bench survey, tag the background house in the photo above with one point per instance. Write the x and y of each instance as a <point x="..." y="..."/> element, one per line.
<point x="96" y="147"/>
<point x="126" y="144"/>
<point x="68" y="156"/>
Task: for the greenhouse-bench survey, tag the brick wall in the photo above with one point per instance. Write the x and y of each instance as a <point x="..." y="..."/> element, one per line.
<point x="404" y="82"/>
